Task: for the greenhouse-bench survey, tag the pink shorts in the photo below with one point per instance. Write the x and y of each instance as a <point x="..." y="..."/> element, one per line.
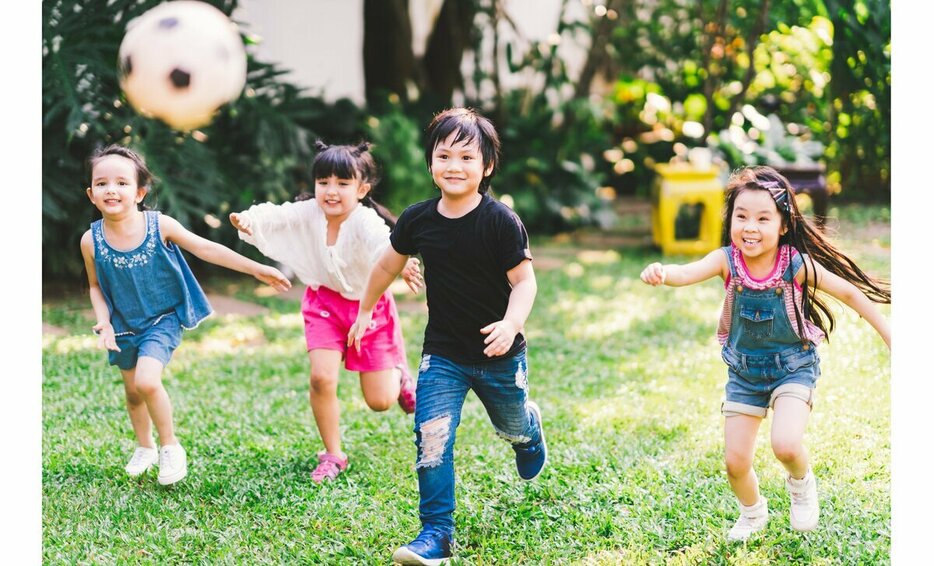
<point x="328" y="318"/>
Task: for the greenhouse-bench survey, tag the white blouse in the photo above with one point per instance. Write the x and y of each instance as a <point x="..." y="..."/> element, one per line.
<point x="295" y="234"/>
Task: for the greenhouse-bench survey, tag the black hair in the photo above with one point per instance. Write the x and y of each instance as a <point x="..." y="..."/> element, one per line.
<point x="808" y="239"/>
<point x="144" y="177"/>
<point x="349" y="162"/>
<point x="469" y="126"/>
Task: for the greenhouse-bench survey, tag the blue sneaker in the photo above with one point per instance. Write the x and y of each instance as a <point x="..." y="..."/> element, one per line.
<point x="531" y="457"/>
<point x="431" y="547"/>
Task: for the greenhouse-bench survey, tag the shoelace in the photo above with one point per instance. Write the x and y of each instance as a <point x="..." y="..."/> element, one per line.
<point x="166" y="458"/>
<point x="137" y="458"/>
<point x="744" y="521"/>
<point x="798" y="497"/>
<point x="428" y="535"/>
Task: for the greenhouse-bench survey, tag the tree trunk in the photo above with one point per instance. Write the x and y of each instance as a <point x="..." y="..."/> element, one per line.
<point x="388" y="61"/>
<point x="445" y="49"/>
<point x="713" y="30"/>
<point x="598" y="58"/>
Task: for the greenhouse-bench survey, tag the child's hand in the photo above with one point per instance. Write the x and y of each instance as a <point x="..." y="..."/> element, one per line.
<point x="412" y="275"/>
<point x="359" y="328"/>
<point x="502" y="334"/>
<point x="273" y="277"/>
<point x="654" y="274"/>
<point x="241" y="223"/>
<point x="106" y="338"/>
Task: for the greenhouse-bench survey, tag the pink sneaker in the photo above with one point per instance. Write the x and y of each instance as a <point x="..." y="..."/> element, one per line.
<point x="329" y="467"/>
<point x="406" y="391"/>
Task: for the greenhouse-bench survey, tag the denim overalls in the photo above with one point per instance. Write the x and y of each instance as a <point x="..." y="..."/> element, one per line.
<point x="150" y="292"/>
<point x="766" y="358"/>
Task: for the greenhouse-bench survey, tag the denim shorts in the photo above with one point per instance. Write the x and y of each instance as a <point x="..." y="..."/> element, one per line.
<point x="755" y="380"/>
<point x="158" y="341"/>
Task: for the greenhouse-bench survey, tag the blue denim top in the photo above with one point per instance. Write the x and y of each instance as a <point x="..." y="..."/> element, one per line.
<point x="760" y="322"/>
<point x="146" y="283"/>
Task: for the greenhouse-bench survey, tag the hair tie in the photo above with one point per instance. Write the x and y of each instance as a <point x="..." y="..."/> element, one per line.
<point x="360" y="149"/>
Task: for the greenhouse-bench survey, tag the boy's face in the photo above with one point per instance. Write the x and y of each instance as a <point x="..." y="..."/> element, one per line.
<point x="457" y="168"/>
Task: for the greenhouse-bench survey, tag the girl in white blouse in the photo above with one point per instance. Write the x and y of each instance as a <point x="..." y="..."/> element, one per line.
<point x="332" y="243"/>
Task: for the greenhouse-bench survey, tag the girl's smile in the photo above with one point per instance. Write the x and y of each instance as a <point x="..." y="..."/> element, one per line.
<point x="339" y="197"/>
<point x="756" y="226"/>
<point x="114" y="190"/>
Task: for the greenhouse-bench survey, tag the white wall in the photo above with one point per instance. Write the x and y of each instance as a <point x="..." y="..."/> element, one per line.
<point x="321" y="41"/>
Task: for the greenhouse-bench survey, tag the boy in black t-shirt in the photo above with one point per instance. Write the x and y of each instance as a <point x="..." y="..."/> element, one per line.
<point x="480" y="286"/>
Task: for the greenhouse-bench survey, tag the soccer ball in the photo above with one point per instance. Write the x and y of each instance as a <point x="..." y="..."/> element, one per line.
<point x="180" y="62"/>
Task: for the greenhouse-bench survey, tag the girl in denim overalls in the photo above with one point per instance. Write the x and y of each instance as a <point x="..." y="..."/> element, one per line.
<point x="144" y="294"/>
<point x="772" y="321"/>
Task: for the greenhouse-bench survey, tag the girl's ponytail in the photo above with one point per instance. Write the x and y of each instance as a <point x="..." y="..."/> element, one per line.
<point x="381" y="210"/>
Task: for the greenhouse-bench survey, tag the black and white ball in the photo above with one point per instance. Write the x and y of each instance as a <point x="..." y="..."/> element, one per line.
<point x="180" y="62"/>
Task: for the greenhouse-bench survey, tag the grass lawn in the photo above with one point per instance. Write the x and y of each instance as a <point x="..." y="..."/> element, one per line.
<point x="629" y="379"/>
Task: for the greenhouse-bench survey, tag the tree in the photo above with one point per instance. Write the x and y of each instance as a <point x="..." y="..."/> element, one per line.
<point x="390" y="66"/>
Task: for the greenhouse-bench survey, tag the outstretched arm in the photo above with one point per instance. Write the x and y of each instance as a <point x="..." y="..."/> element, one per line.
<point x="241" y="222"/>
<point x="389" y="265"/>
<point x="102" y="328"/>
<point x="675" y="275"/>
<point x="848" y="294"/>
<point x="215" y="253"/>
<point x="502" y="333"/>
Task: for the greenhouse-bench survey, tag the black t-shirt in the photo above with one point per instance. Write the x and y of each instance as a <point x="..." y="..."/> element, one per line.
<point x="465" y="262"/>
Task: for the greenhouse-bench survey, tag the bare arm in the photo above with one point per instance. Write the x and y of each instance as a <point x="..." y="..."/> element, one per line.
<point x="103" y="328"/>
<point x="215" y="253"/>
<point x="675" y="275"/>
<point x="389" y="265"/>
<point x="502" y="333"/>
<point x="848" y="294"/>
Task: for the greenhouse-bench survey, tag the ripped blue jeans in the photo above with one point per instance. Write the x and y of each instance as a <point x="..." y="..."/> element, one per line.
<point x="502" y="387"/>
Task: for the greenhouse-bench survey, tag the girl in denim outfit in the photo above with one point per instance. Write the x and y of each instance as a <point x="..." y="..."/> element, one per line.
<point x="144" y="294"/>
<point x="331" y="243"/>
<point x="771" y="323"/>
<point x="480" y="284"/>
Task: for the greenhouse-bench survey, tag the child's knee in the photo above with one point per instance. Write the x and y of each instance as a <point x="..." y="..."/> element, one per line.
<point x="738" y="465"/>
<point x="433" y="438"/>
<point x="379" y="404"/>
<point x="323" y="381"/>
<point x="787" y="450"/>
<point x="147" y="386"/>
<point x="133" y="396"/>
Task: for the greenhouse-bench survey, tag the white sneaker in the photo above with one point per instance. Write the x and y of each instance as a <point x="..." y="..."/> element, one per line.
<point x="143" y="459"/>
<point x="173" y="464"/>
<point x="751" y="519"/>
<point x="804" y="507"/>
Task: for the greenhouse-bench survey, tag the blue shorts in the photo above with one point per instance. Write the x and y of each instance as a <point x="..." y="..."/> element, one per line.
<point x="158" y="341"/>
<point x="755" y="381"/>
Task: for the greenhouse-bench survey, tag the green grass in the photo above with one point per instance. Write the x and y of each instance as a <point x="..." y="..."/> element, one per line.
<point x="629" y="379"/>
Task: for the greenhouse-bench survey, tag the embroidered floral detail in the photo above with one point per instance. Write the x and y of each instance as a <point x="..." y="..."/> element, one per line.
<point x="139" y="256"/>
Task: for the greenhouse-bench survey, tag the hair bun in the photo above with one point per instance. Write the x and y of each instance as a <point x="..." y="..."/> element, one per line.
<point x="320" y="145"/>
<point x="361" y="148"/>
